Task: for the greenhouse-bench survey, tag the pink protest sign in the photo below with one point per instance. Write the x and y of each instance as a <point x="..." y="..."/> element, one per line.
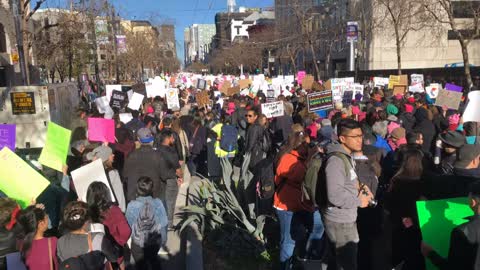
<point x="300" y="76"/>
<point x="101" y="130"/>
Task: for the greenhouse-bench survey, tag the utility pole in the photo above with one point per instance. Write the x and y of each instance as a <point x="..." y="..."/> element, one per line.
<point x="16" y="4"/>
<point x="115" y="46"/>
<point x="94" y="42"/>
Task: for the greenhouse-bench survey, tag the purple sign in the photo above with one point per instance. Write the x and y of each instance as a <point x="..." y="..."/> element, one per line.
<point x="7" y="136"/>
<point x="453" y="87"/>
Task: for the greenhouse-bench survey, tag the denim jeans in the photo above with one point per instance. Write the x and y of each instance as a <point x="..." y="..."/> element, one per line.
<point x="287" y="244"/>
<point x="344" y="241"/>
<point x="170" y="198"/>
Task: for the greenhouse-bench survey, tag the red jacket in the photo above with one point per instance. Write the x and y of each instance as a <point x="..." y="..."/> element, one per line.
<point x="117" y="225"/>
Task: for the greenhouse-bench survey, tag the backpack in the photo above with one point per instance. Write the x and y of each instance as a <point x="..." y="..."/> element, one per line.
<point x="146" y="230"/>
<point x="316" y="172"/>
<point x="229" y="138"/>
<point x="265" y="178"/>
<point x="93" y="260"/>
<point x="266" y="141"/>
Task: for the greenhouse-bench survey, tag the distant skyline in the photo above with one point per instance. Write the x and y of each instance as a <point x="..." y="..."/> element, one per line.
<point x="181" y="13"/>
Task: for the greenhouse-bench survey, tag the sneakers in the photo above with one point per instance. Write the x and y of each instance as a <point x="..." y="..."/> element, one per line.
<point x="163" y="251"/>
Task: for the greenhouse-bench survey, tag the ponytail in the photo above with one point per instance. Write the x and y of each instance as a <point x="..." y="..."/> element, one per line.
<point x="29" y="219"/>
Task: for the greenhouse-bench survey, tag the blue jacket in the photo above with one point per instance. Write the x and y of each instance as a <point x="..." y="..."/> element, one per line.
<point x="382" y="144"/>
<point x="135" y="206"/>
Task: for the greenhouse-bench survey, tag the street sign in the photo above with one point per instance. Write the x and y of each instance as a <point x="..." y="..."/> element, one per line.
<point x="352" y="31"/>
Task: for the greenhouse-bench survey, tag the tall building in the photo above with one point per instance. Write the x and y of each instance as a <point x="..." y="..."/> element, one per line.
<point x="198" y="41"/>
<point x="223" y="26"/>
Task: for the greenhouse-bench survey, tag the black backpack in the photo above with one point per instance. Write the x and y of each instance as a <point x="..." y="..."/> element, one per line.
<point x="229" y="138"/>
<point x="146" y="231"/>
<point x="94" y="260"/>
<point x="265" y="178"/>
<point x="266" y="141"/>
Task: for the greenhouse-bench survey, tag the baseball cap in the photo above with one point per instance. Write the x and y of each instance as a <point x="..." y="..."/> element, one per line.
<point x="145" y="135"/>
<point x="467" y="154"/>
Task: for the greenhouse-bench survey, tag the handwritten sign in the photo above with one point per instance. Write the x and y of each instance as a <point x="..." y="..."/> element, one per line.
<point x="399" y="89"/>
<point x="136" y="101"/>
<point x="173" y="103"/>
<point x="203" y="99"/>
<point x="307" y="82"/>
<point x="109" y="88"/>
<point x="101" y="130"/>
<point x="451" y="99"/>
<point x="320" y="101"/>
<point x="274" y="109"/>
<point x="23" y="103"/>
<point x="433" y="89"/>
<point x="201" y="84"/>
<point x="119" y="99"/>
<point x="7" y="136"/>
<point x="380" y="81"/>
<point x="54" y="154"/>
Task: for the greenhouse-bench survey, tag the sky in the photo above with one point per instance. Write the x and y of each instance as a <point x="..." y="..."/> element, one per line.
<point x="182" y="13"/>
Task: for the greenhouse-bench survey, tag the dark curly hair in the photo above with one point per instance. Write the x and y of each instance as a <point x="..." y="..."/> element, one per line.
<point x="75" y="215"/>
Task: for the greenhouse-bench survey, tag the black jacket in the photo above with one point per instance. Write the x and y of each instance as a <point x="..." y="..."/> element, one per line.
<point x="253" y="144"/>
<point x="408" y="121"/>
<point x="170" y="162"/>
<point x="426" y="127"/>
<point x="282" y="128"/>
<point x="177" y="144"/>
<point x="239" y="120"/>
<point x="463" y="252"/>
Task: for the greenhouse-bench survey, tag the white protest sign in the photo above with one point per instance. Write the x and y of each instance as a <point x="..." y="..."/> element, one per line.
<point x="217" y="93"/>
<point x="156" y="88"/>
<point x="109" y="113"/>
<point x="102" y="104"/>
<point x="136" y="101"/>
<point x="433" y="90"/>
<point x="173" y="103"/>
<point x="130" y="94"/>
<point x="84" y="176"/>
<point x="357" y="89"/>
<point x="417" y="88"/>
<point x="472" y="112"/>
<point x="274" y="109"/>
<point x="380" y="81"/>
<point x="125" y="117"/>
<point x="417" y="79"/>
<point x="109" y="90"/>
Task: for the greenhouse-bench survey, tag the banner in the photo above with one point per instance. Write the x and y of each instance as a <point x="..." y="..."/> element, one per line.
<point x="101" y="130"/>
<point x="173" y="103"/>
<point x="121" y="43"/>
<point x="119" y="99"/>
<point x="274" y="109"/>
<point x="453" y="87"/>
<point x="54" y="153"/>
<point x="136" y="101"/>
<point x="437" y="218"/>
<point x="320" y="101"/>
<point x="84" y="176"/>
<point x="451" y="99"/>
<point x="472" y="112"/>
<point x="18" y="180"/>
<point x="7" y="136"/>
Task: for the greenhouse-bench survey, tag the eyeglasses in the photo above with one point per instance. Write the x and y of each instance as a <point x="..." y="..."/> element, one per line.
<point x="353" y="136"/>
<point x="249" y="115"/>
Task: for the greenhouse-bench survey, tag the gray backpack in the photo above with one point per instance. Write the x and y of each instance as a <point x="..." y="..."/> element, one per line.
<point x="146" y="230"/>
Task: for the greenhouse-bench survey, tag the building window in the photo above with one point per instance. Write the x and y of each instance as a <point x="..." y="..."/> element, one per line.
<point x="3" y="40"/>
<point x="452" y="35"/>
<point x="103" y="57"/>
<point x="465" y="9"/>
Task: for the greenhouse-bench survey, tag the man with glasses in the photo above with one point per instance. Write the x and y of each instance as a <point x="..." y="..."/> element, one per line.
<point x="342" y="195"/>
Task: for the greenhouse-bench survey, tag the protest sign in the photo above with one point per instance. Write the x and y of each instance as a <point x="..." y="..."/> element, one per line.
<point x="84" y="176"/>
<point x="380" y="81"/>
<point x="18" y="180"/>
<point x="119" y="99"/>
<point x="320" y="101"/>
<point x="448" y="98"/>
<point x="203" y="99"/>
<point x="201" y="84"/>
<point x="125" y="117"/>
<point x="399" y="89"/>
<point x="233" y="90"/>
<point x="7" y="136"/>
<point x="392" y="81"/>
<point x="101" y="130"/>
<point x="173" y="103"/>
<point x="441" y="216"/>
<point x="244" y="83"/>
<point x="109" y="88"/>
<point x="136" y="101"/>
<point x="139" y="88"/>
<point x="156" y="87"/>
<point x="417" y="79"/>
<point x="274" y="109"/>
<point x="453" y="87"/>
<point x="225" y="86"/>
<point x="307" y="82"/>
<point x="347" y="97"/>
<point x="316" y="86"/>
<point x="130" y="94"/>
<point x="300" y="76"/>
<point x="102" y="104"/>
<point x="403" y="79"/>
<point x="433" y="89"/>
<point x="472" y="112"/>
<point x="54" y="153"/>
<point x="417" y="88"/>
<point x="358" y="89"/>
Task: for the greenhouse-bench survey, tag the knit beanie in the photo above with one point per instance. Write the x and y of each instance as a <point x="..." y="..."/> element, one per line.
<point x="392" y="109"/>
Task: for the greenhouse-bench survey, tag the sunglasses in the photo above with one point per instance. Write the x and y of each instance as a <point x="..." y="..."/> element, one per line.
<point x="249" y="115"/>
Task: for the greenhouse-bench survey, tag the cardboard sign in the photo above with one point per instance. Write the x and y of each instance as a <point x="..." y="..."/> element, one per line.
<point x="441" y="216"/>
<point x="347" y="97"/>
<point x="125" y="117"/>
<point x="18" y="180"/>
<point x="316" y="86"/>
<point x="136" y="101"/>
<point x="54" y="153"/>
<point x="393" y="80"/>
<point x="233" y="90"/>
<point x="101" y="130"/>
<point x="453" y="87"/>
<point x="399" y="89"/>
<point x="7" y="136"/>
<point x="201" y="84"/>
<point x="84" y="176"/>
<point x="472" y="112"/>
<point x="451" y="99"/>
<point x="274" y="109"/>
<point x="225" y="86"/>
<point x="173" y="103"/>
<point x="23" y="103"/>
<point x="300" y="76"/>
<point x="380" y="81"/>
<point x="244" y="83"/>
<point x="320" y="101"/>
<point x="119" y="99"/>
<point x="433" y="89"/>
<point x="203" y="99"/>
<point x="307" y="82"/>
<point x="109" y="88"/>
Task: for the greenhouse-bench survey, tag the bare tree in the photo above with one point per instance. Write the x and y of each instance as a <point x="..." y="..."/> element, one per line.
<point x="463" y="18"/>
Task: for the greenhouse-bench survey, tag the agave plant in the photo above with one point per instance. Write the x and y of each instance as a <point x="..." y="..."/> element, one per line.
<point x="217" y="207"/>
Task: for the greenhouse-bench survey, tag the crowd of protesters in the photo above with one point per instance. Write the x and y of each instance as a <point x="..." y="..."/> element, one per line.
<point x="376" y="156"/>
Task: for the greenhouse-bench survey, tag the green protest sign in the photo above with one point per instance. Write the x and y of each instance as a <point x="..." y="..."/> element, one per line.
<point x="18" y="180"/>
<point x="437" y="218"/>
<point x="54" y="154"/>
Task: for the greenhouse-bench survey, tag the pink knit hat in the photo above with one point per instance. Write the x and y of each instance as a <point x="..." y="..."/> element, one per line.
<point x="392" y="126"/>
<point x="408" y="108"/>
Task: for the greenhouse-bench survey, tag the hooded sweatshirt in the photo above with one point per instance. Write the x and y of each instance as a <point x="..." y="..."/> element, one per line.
<point x="342" y="188"/>
<point x="426" y="127"/>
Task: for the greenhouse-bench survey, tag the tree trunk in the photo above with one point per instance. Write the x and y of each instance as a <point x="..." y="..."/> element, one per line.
<point x="466" y="65"/>
<point x="293" y="64"/>
<point x="399" y="50"/>
<point x="314" y="58"/>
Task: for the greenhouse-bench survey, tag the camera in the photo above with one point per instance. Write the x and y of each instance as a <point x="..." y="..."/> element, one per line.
<point x="372" y="203"/>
